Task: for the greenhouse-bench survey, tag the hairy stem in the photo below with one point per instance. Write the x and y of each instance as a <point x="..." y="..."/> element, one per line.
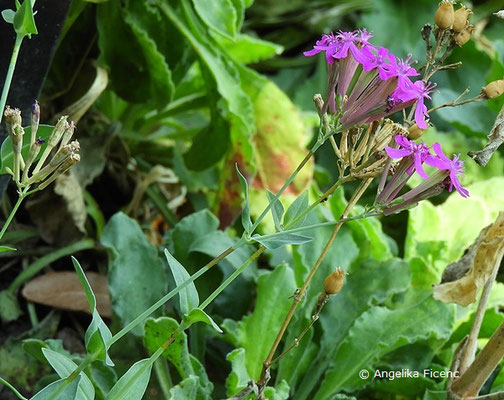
<point x="299" y="293"/>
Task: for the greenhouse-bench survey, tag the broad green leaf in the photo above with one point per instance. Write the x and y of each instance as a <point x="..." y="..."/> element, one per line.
<point x="157" y="331"/>
<point x="8" y="16"/>
<point x="23" y="21"/>
<point x="295" y="209"/>
<point x="131" y="46"/>
<point x="6" y="154"/>
<point x="277" y="211"/>
<point x="281" y="239"/>
<point x="198" y="315"/>
<point x="189" y="298"/>
<point x="248" y="49"/>
<point x="274" y="290"/>
<point x="246" y="221"/>
<point x="456" y="223"/>
<point x="435" y="395"/>
<point x="9" y="306"/>
<point x="132" y="385"/>
<point x="368" y="283"/>
<point x="238" y="378"/>
<point x="379" y="331"/>
<point x="162" y="88"/>
<point x="218" y="15"/>
<point x="64" y="367"/>
<point x="136" y="275"/>
<point x="186" y="389"/>
<point x="60" y="389"/>
<point x="222" y="69"/>
<point x="6" y="248"/>
<point x="98" y="333"/>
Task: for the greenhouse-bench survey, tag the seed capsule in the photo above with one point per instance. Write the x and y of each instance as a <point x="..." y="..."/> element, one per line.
<point x="493" y="89"/>
<point x="464" y="35"/>
<point x="334" y="282"/>
<point x="445" y="15"/>
<point x="414" y="132"/>
<point x="460" y="20"/>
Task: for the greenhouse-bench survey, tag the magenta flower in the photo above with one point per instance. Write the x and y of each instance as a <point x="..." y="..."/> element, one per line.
<point x="419" y="153"/>
<point x="328" y="43"/>
<point x="348" y="42"/>
<point x="417" y="91"/>
<point x="382" y="61"/>
<point x="455" y="168"/>
<point x="403" y="69"/>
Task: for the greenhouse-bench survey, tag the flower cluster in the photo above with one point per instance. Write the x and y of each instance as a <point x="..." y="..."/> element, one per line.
<point x="411" y="157"/>
<point x="366" y="83"/>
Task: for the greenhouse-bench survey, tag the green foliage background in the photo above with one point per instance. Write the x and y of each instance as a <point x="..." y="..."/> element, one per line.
<point x="197" y="86"/>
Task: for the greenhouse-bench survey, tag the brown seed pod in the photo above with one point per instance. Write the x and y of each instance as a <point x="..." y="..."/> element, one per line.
<point x="445" y="15"/>
<point x="460" y="19"/>
<point x="334" y="282"/>
<point x="463" y="36"/>
<point x="493" y="89"/>
<point x="414" y="132"/>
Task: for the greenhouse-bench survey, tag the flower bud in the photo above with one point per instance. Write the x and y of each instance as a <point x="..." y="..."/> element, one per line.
<point x="319" y="103"/>
<point x="463" y="36"/>
<point x="415" y="132"/>
<point x="460" y="20"/>
<point x="57" y="133"/>
<point x="493" y="89"/>
<point x="445" y="15"/>
<point x="35" y="120"/>
<point x="67" y="135"/>
<point x="334" y="282"/>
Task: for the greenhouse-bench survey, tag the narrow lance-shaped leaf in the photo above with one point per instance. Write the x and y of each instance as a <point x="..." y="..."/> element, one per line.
<point x="198" y="315"/>
<point x="59" y="390"/>
<point x="277" y="210"/>
<point x="281" y="239"/>
<point x="64" y="367"/>
<point x="132" y="385"/>
<point x="97" y="333"/>
<point x="189" y="298"/>
<point x="295" y="209"/>
<point x="246" y="221"/>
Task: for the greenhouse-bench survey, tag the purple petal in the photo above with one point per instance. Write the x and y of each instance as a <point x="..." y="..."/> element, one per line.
<point x="435" y="161"/>
<point x="439" y="152"/>
<point x="402" y="141"/>
<point x="420" y="111"/>
<point x="311" y="52"/>
<point x="397" y="153"/>
<point x="419" y="167"/>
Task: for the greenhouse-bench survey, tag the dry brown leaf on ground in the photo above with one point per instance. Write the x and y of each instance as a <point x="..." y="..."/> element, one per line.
<point x="63" y="290"/>
<point x="463" y="279"/>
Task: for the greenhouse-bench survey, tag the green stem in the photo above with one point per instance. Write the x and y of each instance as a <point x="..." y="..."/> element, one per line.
<point x="12" y="213"/>
<point x="14" y="390"/>
<point x="231" y="278"/>
<point x="42" y="262"/>
<point x="10" y="73"/>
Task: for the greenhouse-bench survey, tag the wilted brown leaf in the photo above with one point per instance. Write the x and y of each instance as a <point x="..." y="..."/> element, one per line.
<point x="63" y="290"/>
<point x="462" y="279"/>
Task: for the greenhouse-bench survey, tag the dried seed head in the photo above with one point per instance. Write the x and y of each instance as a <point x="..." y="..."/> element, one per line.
<point x="415" y="132"/>
<point x="493" y="89"/>
<point x="445" y="15"/>
<point x="464" y="35"/>
<point x="12" y="118"/>
<point x="461" y="17"/>
<point x="334" y="282"/>
<point x="426" y="32"/>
